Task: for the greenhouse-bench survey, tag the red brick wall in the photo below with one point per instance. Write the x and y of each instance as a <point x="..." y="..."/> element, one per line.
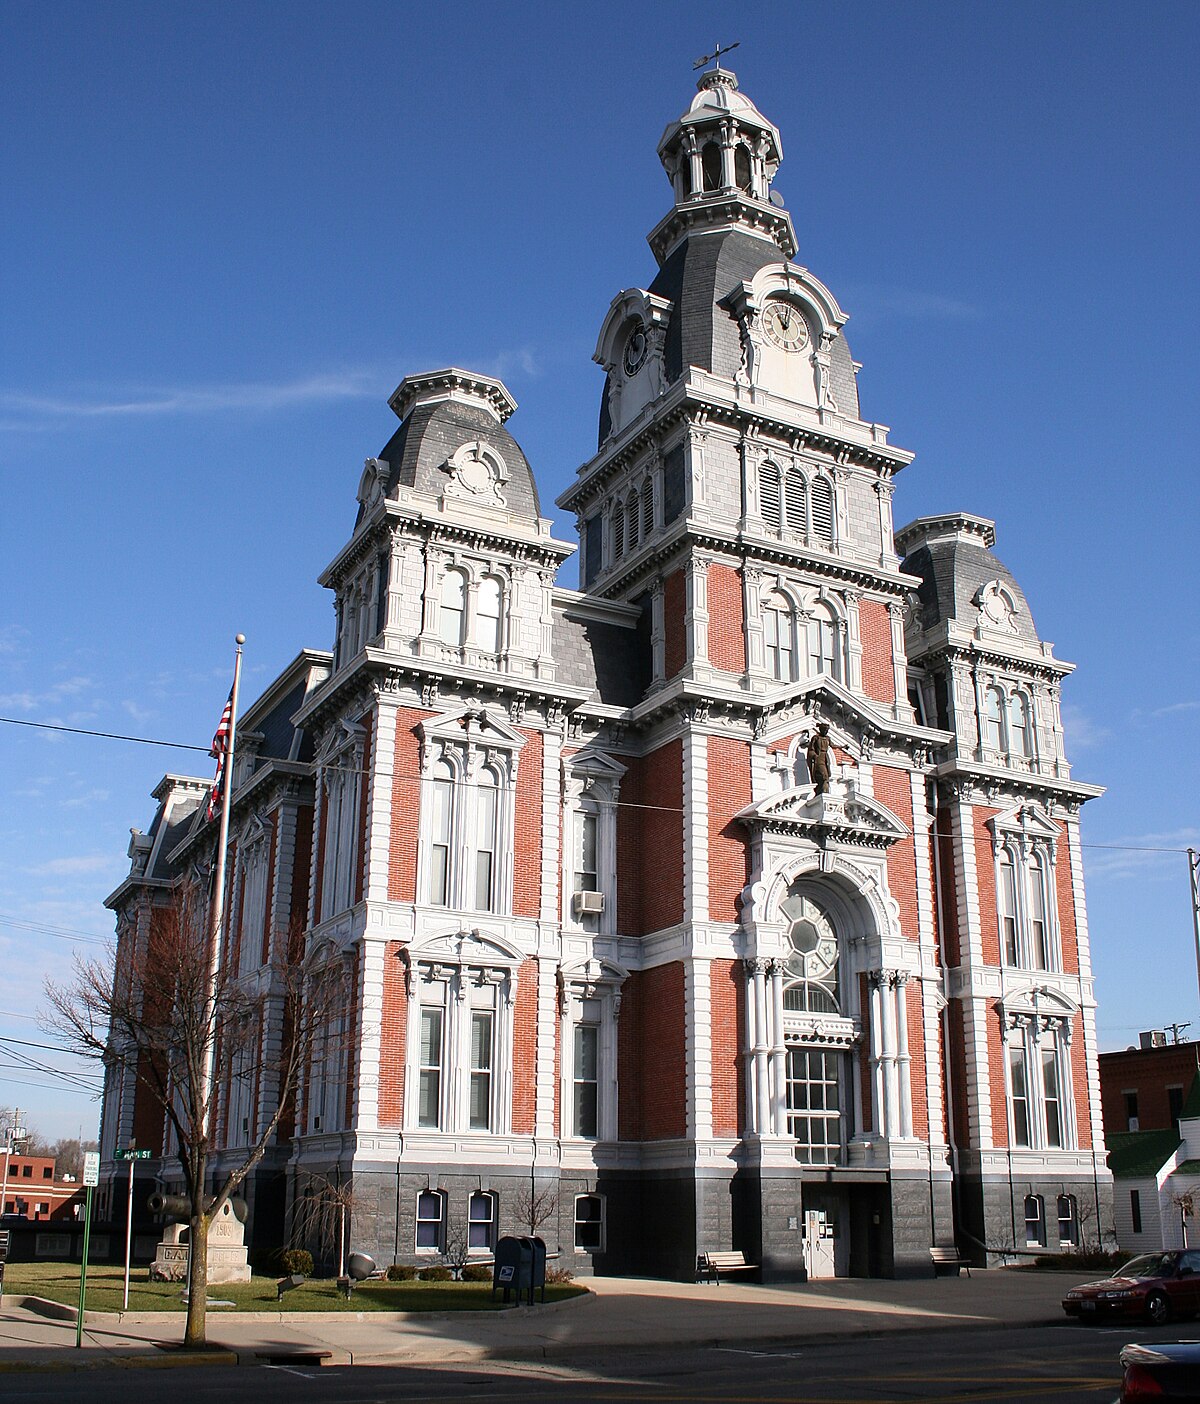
<point x="916" y="1067"/>
<point x="527" y="867"/>
<point x="875" y="631"/>
<point x="1083" y="1102"/>
<point x="364" y="800"/>
<point x="650" y="842"/>
<point x="264" y="950"/>
<point x="948" y="915"/>
<point x="297" y="916"/>
<point x="406" y="807"/>
<point x="963" y="1133"/>
<point x="985" y="867"/>
<point x="728" y="1045"/>
<point x="393" y="1036"/>
<point x="1148" y="1072"/>
<point x="352" y="1037"/>
<point x="893" y="788"/>
<point x="674" y="607"/>
<point x="996" y="1070"/>
<point x="525" y="1049"/>
<point x="726" y="622"/>
<point x="1066" y="905"/>
<point x="650" y="1055"/>
<point x="728" y="846"/>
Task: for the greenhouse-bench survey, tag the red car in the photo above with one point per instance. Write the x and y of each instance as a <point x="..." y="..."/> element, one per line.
<point x="1156" y="1286"/>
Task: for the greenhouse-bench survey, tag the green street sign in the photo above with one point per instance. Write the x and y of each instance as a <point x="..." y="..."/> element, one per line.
<point x="124" y="1153"/>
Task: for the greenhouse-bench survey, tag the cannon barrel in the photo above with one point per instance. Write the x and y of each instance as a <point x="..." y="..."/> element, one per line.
<point x="180" y="1207"/>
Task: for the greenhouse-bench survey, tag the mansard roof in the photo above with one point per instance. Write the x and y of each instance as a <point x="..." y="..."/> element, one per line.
<point x="440" y="413"/>
<point x="952" y="555"/>
<point x="600" y="647"/>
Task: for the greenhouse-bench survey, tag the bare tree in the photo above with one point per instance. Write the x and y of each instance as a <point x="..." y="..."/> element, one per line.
<point x="535" y="1205"/>
<point x="157" y="1004"/>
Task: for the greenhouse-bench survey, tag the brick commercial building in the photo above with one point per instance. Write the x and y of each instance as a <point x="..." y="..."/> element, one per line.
<point x="1144" y="1089"/>
<point x="612" y="946"/>
<point x="32" y="1190"/>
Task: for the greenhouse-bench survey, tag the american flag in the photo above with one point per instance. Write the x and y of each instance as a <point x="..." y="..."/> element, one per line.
<point x="219" y="746"/>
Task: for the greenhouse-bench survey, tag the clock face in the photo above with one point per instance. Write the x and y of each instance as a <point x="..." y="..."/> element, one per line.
<point x="636" y="346"/>
<point x="812" y="939"/>
<point x="784" y="325"/>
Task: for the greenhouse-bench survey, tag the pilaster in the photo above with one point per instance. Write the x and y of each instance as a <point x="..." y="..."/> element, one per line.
<point x="695" y="826"/>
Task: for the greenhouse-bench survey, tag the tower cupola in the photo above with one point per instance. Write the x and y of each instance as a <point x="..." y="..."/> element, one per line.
<point x="721" y="156"/>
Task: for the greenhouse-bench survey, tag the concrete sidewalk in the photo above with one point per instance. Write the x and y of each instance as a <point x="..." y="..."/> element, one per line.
<point x="628" y="1313"/>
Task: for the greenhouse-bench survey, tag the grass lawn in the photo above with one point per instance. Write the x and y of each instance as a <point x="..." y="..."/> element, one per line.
<point x="59" y="1282"/>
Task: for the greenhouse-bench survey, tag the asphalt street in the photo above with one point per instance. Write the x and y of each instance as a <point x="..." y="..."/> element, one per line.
<point x="1037" y="1365"/>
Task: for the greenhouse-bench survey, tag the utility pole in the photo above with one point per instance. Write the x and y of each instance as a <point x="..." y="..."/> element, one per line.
<point x="1194" y="879"/>
<point x="1175" y="1030"/>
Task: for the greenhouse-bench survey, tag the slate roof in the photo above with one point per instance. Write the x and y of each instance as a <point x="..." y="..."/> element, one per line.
<point x="433" y="432"/>
<point x="610" y="660"/>
<point x="953" y="565"/>
<point x="1135" y="1155"/>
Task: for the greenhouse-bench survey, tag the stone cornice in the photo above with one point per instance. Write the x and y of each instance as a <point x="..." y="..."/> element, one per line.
<point x="981" y="784"/>
<point x="1013" y="658"/>
<point x="727" y="209"/>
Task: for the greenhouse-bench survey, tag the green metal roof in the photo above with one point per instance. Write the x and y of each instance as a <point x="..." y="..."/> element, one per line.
<point x="1137" y="1154"/>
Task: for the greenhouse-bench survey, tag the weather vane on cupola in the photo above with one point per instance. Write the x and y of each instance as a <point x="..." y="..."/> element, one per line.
<point x="715" y="57"/>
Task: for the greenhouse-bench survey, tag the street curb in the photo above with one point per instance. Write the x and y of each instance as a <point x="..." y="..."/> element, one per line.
<point x="105" y="1361"/>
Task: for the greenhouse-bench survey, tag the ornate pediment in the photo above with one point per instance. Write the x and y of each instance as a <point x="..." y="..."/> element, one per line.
<point x="1030" y="821"/>
<point x="474" y="949"/>
<point x="845" y="818"/>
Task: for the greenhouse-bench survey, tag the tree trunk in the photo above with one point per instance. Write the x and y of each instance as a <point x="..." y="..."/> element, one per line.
<point x="195" y="1331"/>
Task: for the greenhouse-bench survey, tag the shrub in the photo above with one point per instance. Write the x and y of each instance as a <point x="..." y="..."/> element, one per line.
<point x="476" y="1272"/>
<point x="401" y="1272"/>
<point x="292" y="1260"/>
<point x="557" y="1275"/>
<point x="436" y="1274"/>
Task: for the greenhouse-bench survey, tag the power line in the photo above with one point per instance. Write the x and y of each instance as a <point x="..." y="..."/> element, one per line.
<point x="50" y="1087"/>
<point x="107" y="735"/>
<point x="62" y="933"/>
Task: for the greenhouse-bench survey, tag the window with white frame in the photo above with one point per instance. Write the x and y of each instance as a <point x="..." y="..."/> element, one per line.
<point x="591" y="1006"/>
<point x="795" y="502"/>
<point x="1025" y="900"/>
<point x="770" y="495"/>
<point x="1006" y="728"/>
<point x="591" y="787"/>
<point x="824" y="650"/>
<point x="242" y="1072"/>
<point x="431" y="1221"/>
<point x="822" y="510"/>
<point x="779" y="637"/>
<point x="341" y="786"/>
<point x="469" y="763"/>
<point x="460" y="1040"/>
<point x="489" y="614"/>
<point x="586" y="1081"/>
<point x="481" y="1222"/>
<point x="328" y="1058"/>
<point x="452" y="610"/>
<point x="589" y="1223"/>
<point x="1039" y="1089"/>
<point x="1035" y="1221"/>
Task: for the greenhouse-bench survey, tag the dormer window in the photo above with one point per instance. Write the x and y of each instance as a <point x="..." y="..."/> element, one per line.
<point x="453" y="618"/>
<point x="470" y="609"/>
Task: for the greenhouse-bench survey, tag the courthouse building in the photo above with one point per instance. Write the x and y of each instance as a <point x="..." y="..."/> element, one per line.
<point x="614" y="957"/>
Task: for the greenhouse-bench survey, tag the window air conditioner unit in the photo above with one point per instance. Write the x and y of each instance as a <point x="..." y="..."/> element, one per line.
<point x="1134" y="1124"/>
<point x="1153" y="1038"/>
<point x="589" y="903"/>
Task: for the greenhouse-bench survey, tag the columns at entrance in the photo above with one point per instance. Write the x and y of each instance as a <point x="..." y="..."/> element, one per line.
<point x="890" y="1058"/>
<point x="766" y="1081"/>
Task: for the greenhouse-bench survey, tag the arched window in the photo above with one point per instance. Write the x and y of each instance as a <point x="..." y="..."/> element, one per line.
<point x="1038" y="935"/>
<point x="1008" y="907"/>
<point x="488" y="613"/>
<point x="618" y="531"/>
<point x="741" y="167"/>
<point x="1068" y="1221"/>
<point x="993" y="720"/>
<point x="769" y="488"/>
<point x="441" y="825"/>
<point x="823" y="644"/>
<point x="431" y="1221"/>
<point x="632" y="521"/>
<point x="710" y="162"/>
<point x="647" y="508"/>
<point x="685" y="175"/>
<point x="1020" y="736"/>
<point x="454" y="608"/>
<point x="779" y="629"/>
<point x="487" y="811"/>
<point x="795" y="503"/>
<point x="481" y="1222"/>
<point x="1035" y="1221"/>
<point x="822" y="511"/>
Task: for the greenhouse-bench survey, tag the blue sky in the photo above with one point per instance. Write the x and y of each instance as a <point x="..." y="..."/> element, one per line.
<point x="228" y="231"/>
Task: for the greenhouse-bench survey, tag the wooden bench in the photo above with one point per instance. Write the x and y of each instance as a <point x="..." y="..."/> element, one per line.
<point x="710" y="1266"/>
<point x="949" y="1258"/>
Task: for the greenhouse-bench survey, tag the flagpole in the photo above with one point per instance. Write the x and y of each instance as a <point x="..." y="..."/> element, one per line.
<point x="218" y="902"/>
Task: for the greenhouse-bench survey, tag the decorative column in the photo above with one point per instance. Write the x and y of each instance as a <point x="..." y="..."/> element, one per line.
<point x="875" y="980"/>
<point x="695" y="822"/>
<point x="548" y="1033"/>
<point x="902" y="707"/>
<point x="778" y="1051"/>
<point x="903" y="1060"/>
<point x="759" y="1047"/>
<point x="696" y="615"/>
